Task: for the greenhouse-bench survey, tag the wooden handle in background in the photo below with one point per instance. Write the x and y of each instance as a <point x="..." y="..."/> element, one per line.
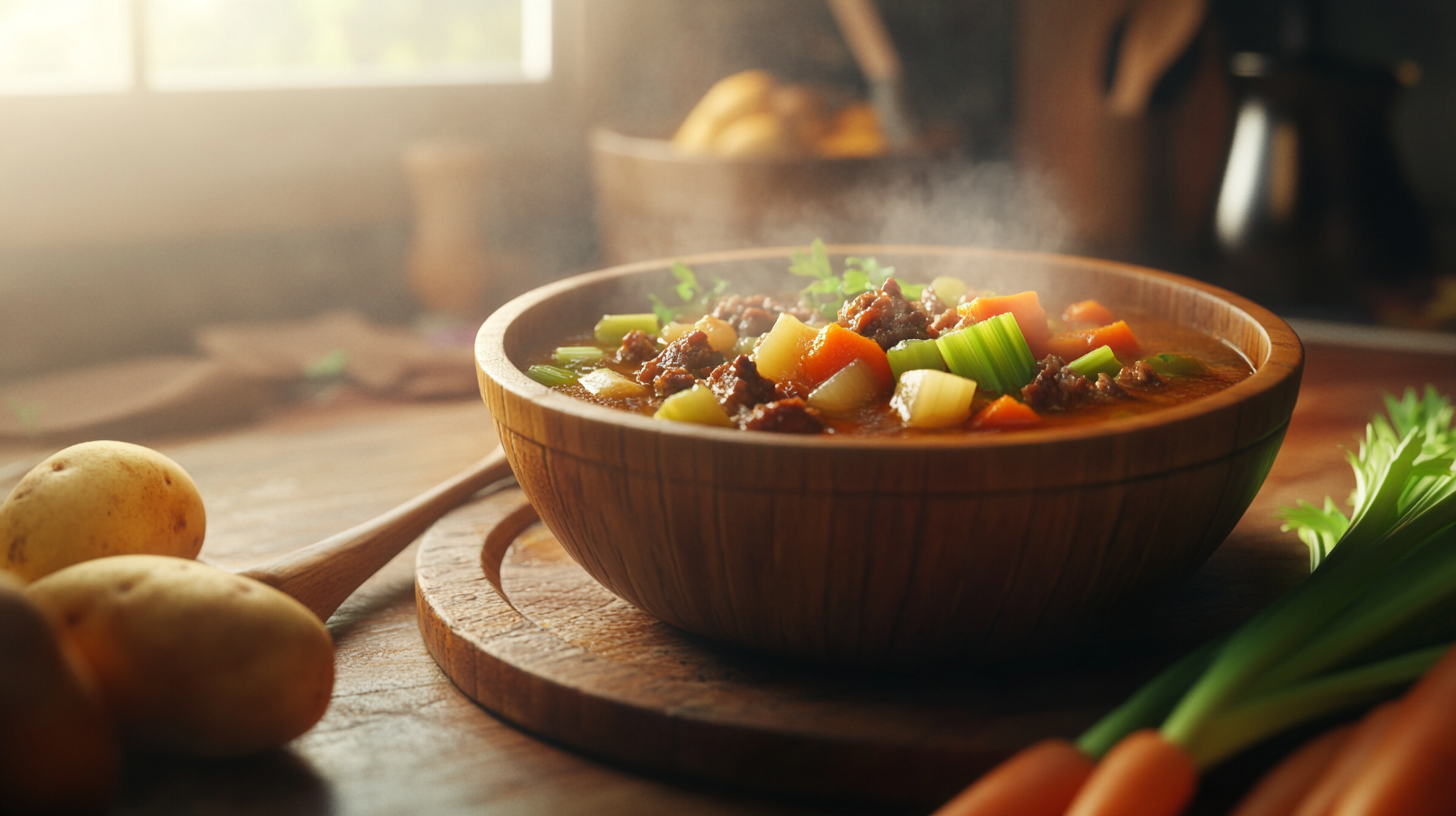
<point x="322" y="575"/>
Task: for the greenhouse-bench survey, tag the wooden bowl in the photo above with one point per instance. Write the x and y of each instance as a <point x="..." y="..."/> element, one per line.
<point x="653" y="200"/>
<point x="884" y="551"/>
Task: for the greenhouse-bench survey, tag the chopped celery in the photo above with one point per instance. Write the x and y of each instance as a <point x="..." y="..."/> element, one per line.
<point x="697" y="405"/>
<point x="605" y="382"/>
<point x="849" y="388"/>
<point x="1175" y="365"/>
<point x="1097" y="361"/>
<point x="933" y="399"/>
<point x="993" y="353"/>
<point x="568" y="356"/>
<point x="948" y="289"/>
<point x="908" y="355"/>
<point x="612" y="328"/>
<point x="551" y="376"/>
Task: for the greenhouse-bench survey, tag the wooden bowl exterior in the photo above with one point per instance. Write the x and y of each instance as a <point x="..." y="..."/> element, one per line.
<point x="653" y="201"/>
<point x="886" y="551"/>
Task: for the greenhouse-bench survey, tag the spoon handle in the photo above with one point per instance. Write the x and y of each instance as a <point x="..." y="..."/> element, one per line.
<point x="322" y="575"/>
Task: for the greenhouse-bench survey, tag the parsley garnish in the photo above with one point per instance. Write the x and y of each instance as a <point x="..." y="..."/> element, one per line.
<point x="829" y="291"/>
<point x="694" y="296"/>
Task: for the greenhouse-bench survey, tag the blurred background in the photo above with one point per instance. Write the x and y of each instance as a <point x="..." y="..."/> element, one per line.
<point x="170" y="165"/>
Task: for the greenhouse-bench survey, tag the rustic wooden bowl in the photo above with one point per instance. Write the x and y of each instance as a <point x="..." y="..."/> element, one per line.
<point x="887" y="551"/>
<point x="653" y="200"/>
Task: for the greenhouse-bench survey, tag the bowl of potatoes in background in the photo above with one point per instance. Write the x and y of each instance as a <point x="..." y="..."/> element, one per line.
<point x="756" y="162"/>
<point x="113" y="636"/>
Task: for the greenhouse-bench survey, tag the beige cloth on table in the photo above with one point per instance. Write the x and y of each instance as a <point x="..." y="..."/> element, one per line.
<point x="244" y="369"/>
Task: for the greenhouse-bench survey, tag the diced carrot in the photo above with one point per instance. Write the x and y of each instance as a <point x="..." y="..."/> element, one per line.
<point x="1117" y="335"/>
<point x="835" y="347"/>
<point x="1088" y="311"/>
<point x="1283" y="788"/>
<point x="1358" y="750"/>
<point x="1143" y="775"/>
<point x="1038" y="781"/>
<point x="1025" y="307"/>
<point x="1071" y="345"/>
<point x="1006" y="412"/>
<point x="1409" y="772"/>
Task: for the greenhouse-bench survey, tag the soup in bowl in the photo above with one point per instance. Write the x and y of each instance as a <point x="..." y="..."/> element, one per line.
<point x="872" y="540"/>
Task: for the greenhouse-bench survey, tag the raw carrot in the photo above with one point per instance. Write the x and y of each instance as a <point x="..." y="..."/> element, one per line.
<point x="1006" y="412"/>
<point x="1283" y="788"/>
<point x="1025" y="307"/>
<point x="1038" y="781"/>
<point x="835" y="347"/>
<point x="1088" y="311"/>
<point x="1343" y="769"/>
<point x="1410" y="771"/>
<point x="1143" y="775"/>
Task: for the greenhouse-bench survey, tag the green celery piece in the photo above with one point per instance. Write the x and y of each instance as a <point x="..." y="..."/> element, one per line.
<point x="568" y="356"/>
<point x="1319" y="528"/>
<point x="1266" y="715"/>
<point x="1403" y="594"/>
<point x="1150" y="704"/>
<point x="908" y="355"/>
<point x="992" y="353"/>
<point x="1176" y="365"/>
<point x="1378" y="536"/>
<point x="551" y="376"/>
<point x="1097" y="361"/>
<point x="612" y="328"/>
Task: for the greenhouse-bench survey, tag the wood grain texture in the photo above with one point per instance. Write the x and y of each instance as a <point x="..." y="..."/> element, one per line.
<point x="879" y="551"/>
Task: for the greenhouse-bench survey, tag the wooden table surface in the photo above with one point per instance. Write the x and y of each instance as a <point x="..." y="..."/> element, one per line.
<point x="399" y="738"/>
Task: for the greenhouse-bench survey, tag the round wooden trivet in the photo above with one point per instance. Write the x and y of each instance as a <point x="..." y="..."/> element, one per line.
<point x="526" y="633"/>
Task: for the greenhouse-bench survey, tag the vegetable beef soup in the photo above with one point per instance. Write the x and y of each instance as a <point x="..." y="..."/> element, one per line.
<point x="862" y="353"/>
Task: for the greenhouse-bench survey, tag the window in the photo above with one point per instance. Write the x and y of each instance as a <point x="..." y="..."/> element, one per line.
<point x="98" y="46"/>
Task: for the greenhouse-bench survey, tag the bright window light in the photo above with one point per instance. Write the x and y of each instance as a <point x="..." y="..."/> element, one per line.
<point x="220" y="44"/>
<point x="65" y="46"/>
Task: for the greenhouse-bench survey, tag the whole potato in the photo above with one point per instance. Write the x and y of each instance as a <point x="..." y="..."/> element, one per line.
<point x="97" y="499"/>
<point x="193" y="658"/>
<point x="58" y="748"/>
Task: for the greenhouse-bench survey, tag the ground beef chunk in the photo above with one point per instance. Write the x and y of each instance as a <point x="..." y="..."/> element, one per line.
<point x="749" y="316"/>
<point x="932" y="303"/>
<point x="685" y="359"/>
<point x="637" y="347"/>
<point x="949" y="321"/>
<point x="885" y="316"/>
<point x="1139" y="375"/>
<point x="739" y="386"/>
<point x="784" y="416"/>
<point x="1058" y="388"/>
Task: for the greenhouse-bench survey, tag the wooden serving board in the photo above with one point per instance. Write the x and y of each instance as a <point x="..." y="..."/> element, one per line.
<point x="525" y="632"/>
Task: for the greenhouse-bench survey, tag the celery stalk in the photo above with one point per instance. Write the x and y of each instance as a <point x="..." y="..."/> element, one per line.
<point x="551" y="376"/>
<point x="568" y="356"/>
<point x="992" y="352"/>
<point x="1267" y="715"/>
<point x="908" y="355"/>
<point x="612" y="328"/>
<point x="1097" y="361"/>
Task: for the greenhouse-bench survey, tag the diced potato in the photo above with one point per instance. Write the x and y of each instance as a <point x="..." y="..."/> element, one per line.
<point x="721" y="336"/>
<point x="933" y="399"/>
<point x="607" y="383"/>
<point x="697" y="405"/>
<point x="674" y="330"/>
<point x="779" y="352"/>
<point x="948" y="289"/>
<point x="849" y="388"/>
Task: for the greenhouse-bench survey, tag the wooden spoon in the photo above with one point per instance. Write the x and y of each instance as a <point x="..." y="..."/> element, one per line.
<point x="322" y="575"/>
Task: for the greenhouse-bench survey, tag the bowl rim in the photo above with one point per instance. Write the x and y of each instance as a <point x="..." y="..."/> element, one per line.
<point x="1284" y="360"/>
